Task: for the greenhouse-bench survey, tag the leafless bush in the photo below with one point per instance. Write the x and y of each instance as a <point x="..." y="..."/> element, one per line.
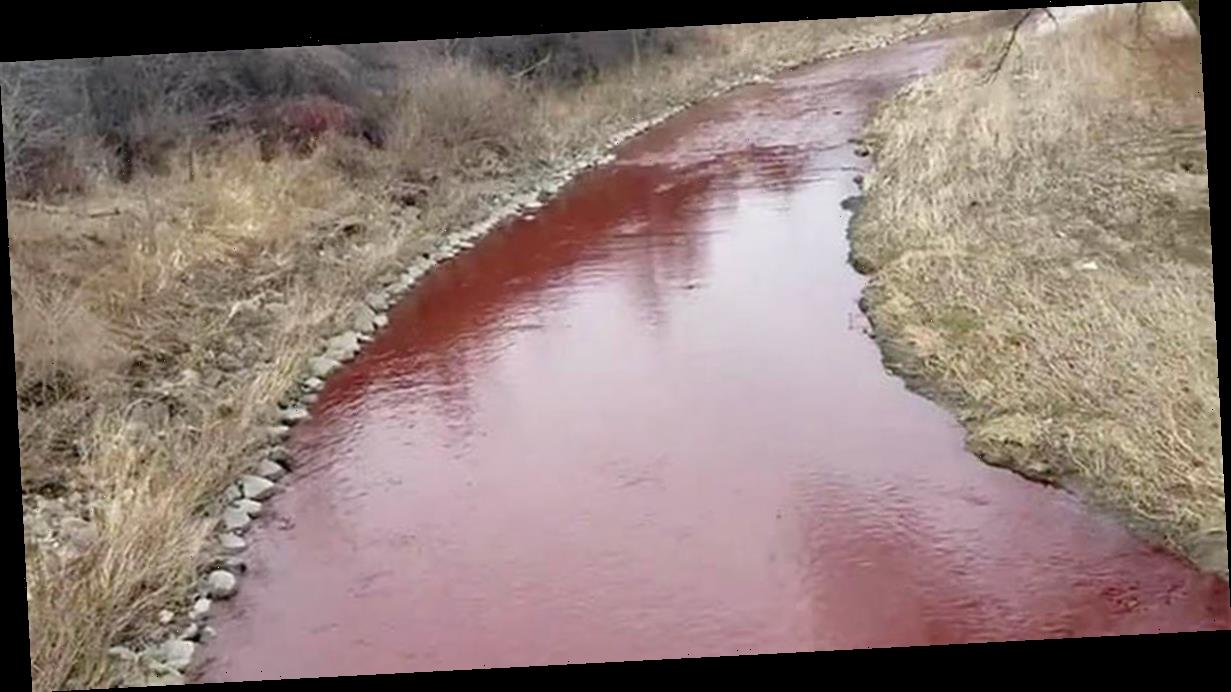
<point x="141" y="108"/>
<point x="40" y="106"/>
<point x="458" y="112"/>
<point x="573" y="57"/>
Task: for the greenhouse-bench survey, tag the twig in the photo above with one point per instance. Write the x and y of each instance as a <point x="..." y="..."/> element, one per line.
<point x="533" y="67"/>
<point x="1004" y="53"/>
<point x="50" y="209"/>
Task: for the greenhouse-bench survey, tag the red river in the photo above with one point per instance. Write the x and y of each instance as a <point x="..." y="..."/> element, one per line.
<point x="646" y="423"/>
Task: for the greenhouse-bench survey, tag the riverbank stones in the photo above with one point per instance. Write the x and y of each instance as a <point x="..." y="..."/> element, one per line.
<point x="221" y="584"/>
<point x="255" y="487"/>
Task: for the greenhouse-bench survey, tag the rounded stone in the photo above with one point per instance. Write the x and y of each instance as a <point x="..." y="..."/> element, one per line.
<point x="294" y="414"/>
<point x="235" y="564"/>
<point x="177" y="653"/>
<point x="363" y="319"/>
<point x="255" y="487"/>
<point x="250" y="507"/>
<point x="322" y="366"/>
<point x="345" y="344"/>
<point x="377" y="301"/>
<point x="235" y="520"/>
<point x="222" y="584"/>
<point x="272" y="470"/>
<point x="200" y="608"/>
<point x="163" y="678"/>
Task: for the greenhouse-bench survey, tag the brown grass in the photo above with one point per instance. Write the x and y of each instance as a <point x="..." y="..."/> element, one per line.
<point x="1040" y="259"/>
<point x="155" y="342"/>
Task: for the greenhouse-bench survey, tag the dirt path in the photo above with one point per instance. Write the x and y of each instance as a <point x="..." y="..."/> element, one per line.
<point x="647" y="422"/>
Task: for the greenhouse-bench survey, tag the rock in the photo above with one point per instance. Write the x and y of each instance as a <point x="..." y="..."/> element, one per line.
<point x="235" y="564"/>
<point x="381" y="320"/>
<point x="322" y="366"/>
<point x="310" y="398"/>
<point x="208" y="633"/>
<point x="1088" y="266"/>
<point x="235" y="520"/>
<point x="343" y="345"/>
<point x="294" y="414"/>
<point x="313" y="384"/>
<point x="271" y="469"/>
<point x="250" y="507"/>
<point x="123" y="653"/>
<point x="191" y="632"/>
<point x="279" y="455"/>
<point x="363" y="320"/>
<point x="162" y="678"/>
<point x="78" y="532"/>
<point x="232" y="493"/>
<point x="222" y="584"/>
<point x="177" y="654"/>
<point x="200" y="607"/>
<point x="255" y="487"/>
<point x="277" y="433"/>
<point x="165" y="617"/>
<point x="862" y="151"/>
<point x="38" y="526"/>
<point x="377" y="301"/>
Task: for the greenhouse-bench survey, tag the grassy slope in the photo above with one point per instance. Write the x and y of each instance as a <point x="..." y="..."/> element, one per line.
<point x="1040" y="258"/>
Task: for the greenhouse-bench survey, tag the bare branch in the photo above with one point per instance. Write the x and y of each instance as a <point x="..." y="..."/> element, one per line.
<point x="1004" y="53"/>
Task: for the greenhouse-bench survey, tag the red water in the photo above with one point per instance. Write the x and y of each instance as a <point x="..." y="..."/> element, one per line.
<point x="646" y="424"/>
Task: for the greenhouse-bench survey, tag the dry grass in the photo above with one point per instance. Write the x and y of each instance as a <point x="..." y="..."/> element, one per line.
<point x="1040" y="260"/>
<point x="153" y="344"/>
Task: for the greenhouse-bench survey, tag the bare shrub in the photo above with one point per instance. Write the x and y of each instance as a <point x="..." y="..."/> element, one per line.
<point x="457" y="113"/>
<point x="576" y="56"/>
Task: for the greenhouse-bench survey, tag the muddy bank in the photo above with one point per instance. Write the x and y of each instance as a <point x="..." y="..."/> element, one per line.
<point x="644" y="421"/>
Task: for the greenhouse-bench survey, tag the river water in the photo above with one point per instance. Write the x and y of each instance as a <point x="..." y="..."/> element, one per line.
<point x="647" y="423"/>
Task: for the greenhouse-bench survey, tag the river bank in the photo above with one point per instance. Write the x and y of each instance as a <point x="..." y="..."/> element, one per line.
<point x="1039" y="252"/>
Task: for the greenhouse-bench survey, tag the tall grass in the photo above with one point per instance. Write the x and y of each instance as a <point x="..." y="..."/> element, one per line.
<point x="1040" y="258"/>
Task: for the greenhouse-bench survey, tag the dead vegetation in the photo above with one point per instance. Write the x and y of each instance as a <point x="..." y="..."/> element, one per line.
<point x="1039" y="248"/>
<point x="167" y="297"/>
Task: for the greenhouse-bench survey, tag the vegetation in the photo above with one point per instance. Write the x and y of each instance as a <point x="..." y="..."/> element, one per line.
<point x="1039" y="247"/>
